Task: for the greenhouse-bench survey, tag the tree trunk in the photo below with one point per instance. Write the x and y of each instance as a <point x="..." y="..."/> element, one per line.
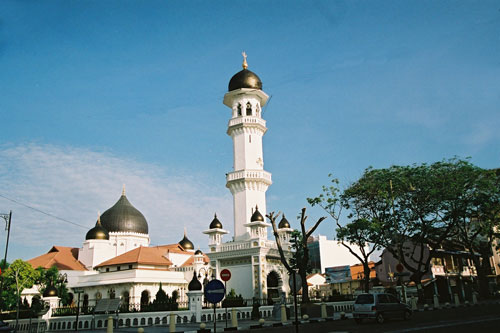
<point x="482" y="278"/>
<point x="416" y="278"/>
<point x="305" y="287"/>
<point x="366" y="271"/>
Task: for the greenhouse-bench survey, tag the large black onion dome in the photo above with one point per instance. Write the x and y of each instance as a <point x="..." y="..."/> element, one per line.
<point x="50" y="291"/>
<point x="97" y="232"/>
<point x="245" y="79"/>
<point x="215" y="223"/>
<point x="194" y="284"/>
<point x="123" y="217"/>
<point x="186" y="243"/>
<point x="283" y="223"/>
<point x="257" y="216"/>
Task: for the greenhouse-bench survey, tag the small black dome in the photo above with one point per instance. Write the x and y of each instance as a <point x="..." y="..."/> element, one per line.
<point x="123" y="217"/>
<point x="194" y="284"/>
<point x="97" y="232"/>
<point x="257" y="216"/>
<point x="50" y="291"/>
<point x="198" y="252"/>
<point x="186" y="243"/>
<point x="245" y="79"/>
<point x="283" y="223"/>
<point x="215" y="223"/>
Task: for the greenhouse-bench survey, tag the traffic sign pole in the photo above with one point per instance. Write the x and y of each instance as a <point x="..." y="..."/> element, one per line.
<point x="225" y="275"/>
<point x="225" y="287"/>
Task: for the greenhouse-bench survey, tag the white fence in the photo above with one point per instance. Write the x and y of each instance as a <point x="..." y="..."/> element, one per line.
<point x="143" y="319"/>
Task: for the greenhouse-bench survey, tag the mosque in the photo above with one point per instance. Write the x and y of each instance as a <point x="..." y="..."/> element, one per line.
<point x="116" y="259"/>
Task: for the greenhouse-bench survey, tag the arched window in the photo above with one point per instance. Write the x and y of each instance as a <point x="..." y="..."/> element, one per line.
<point x="239" y="110"/>
<point x="111" y="293"/>
<point x="257" y="109"/>
<point x="249" y="109"/>
<point x="145" y="297"/>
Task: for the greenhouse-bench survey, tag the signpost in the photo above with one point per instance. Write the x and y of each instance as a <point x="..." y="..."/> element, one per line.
<point x="295" y="283"/>
<point x="214" y="293"/>
<point x="225" y="276"/>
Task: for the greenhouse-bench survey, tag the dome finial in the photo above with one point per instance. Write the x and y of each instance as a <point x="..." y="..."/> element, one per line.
<point x="123" y="190"/>
<point x="245" y="64"/>
<point x="185" y="232"/>
<point x="99" y="217"/>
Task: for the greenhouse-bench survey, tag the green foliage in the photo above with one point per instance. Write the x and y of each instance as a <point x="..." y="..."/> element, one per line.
<point x="296" y="241"/>
<point x="232" y="300"/>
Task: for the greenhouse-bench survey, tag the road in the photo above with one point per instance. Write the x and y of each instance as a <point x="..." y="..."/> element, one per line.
<point x="482" y="318"/>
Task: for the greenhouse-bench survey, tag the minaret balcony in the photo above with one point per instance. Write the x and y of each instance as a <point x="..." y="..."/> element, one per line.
<point x="248" y="121"/>
<point x="252" y="175"/>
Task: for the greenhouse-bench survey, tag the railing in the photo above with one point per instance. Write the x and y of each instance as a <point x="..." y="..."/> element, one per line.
<point x="71" y="310"/>
<point x="154" y="307"/>
<point x="246" y="120"/>
<point x="248" y="174"/>
<point x="234" y="246"/>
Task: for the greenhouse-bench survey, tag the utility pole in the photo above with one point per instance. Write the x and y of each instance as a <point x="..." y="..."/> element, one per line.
<point x="8" y="219"/>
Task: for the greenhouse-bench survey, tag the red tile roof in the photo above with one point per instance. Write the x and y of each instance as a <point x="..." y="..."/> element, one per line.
<point x="142" y="255"/>
<point x="62" y="257"/>
<point x="357" y="271"/>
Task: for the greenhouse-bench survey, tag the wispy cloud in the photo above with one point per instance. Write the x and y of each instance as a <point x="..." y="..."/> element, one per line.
<point x="74" y="184"/>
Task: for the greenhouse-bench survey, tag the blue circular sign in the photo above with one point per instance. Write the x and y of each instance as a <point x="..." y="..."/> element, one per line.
<point x="215" y="291"/>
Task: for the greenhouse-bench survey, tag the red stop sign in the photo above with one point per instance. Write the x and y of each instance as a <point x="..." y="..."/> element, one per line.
<point x="225" y="275"/>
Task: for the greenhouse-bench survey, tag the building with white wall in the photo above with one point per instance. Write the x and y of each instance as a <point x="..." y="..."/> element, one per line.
<point x="325" y="253"/>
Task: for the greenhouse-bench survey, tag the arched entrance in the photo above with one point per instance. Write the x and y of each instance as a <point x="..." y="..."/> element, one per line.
<point x="274" y="284"/>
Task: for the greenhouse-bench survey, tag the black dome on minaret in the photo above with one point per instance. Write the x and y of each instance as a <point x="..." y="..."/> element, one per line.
<point x="194" y="284"/>
<point x="97" y="232"/>
<point x="245" y="79"/>
<point x="283" y="223"/>
<point x="215" y="223"/>
<point x="186" y="243"/>
<point x="257" y="216"/>
<point x="123" y="217"/>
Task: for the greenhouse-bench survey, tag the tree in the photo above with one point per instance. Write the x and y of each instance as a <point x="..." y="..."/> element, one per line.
<point x="300" y="260"/>
<point x="21" y="275"/>
<point x="357" y="234"/>
<point x="475" y="212"/>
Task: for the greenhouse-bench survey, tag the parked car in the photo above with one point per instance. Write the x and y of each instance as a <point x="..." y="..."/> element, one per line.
<point x="4" y="327"/>
<point x="379" y="307"/>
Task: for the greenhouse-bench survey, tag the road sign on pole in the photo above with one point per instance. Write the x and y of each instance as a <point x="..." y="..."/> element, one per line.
<point x="225" y="275"/>
<point x="215" y="291"/>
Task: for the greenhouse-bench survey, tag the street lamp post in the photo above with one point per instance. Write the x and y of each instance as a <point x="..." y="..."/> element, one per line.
<point x="78" y="291"/>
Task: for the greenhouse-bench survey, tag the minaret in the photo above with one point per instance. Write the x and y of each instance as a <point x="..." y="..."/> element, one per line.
<point x="248" y="182"/>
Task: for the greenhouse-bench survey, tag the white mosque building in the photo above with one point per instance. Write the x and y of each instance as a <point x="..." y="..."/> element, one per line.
<point x="116" y="259"/>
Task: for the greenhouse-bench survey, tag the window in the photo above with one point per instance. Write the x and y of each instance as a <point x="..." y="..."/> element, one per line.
<point x="249" y="109"/>
<point x="107" y="269"/>
<point x="129" y="266"/>
<point x="239" y="110"/>
<point x="118" y="268"/>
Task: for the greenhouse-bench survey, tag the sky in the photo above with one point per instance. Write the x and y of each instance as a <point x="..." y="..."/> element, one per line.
<point x="97" y="94"/>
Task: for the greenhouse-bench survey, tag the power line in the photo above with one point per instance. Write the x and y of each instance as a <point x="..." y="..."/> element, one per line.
<point x="42" y="212"/>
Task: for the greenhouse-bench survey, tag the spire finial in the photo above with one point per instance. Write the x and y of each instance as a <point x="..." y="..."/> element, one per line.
<point x="245" y="64"/>
<point x="185" y="232"/>
<point x="123" y="190"/>
<point x="215" y="215"/>
<point x="98" y="217"/>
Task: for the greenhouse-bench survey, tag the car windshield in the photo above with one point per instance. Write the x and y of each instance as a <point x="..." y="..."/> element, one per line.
<point x="364" y="299"/>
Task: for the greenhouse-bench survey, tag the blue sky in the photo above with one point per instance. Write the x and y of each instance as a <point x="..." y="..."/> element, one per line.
<point x="100" y="93"/>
